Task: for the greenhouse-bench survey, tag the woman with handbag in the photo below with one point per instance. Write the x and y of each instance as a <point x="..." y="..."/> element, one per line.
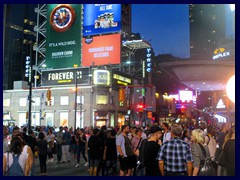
<point x="198" y="149"/>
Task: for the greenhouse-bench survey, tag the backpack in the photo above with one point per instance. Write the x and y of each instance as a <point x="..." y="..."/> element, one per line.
<point x="206" y="166"/>
<point x="15" y="169"/>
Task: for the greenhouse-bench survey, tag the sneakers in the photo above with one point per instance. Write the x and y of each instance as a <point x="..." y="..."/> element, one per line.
<point x="51" y="160"/>
<point x="86" y="164"/>
<point x="77" y="165"/>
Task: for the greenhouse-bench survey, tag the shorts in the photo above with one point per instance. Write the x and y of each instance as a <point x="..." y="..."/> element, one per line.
<point x="127" y="162"/>
<point x="94" y="162"/>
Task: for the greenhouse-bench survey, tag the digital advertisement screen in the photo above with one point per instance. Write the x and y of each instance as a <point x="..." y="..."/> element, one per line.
<point x="101" y="50"/>
<point x="63" y="41"/>
<point x="101" y="18"/>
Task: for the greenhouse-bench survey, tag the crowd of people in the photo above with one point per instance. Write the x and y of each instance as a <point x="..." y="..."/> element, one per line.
<point x="156" y="150"/>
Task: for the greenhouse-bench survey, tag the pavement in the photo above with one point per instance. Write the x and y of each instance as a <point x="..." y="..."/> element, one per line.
<point x="64" y="169"/>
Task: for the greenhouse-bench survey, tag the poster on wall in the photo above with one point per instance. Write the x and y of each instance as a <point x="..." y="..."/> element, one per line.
<point x="63" y="41"/>
<point x="101" y="50"/>
<point x="101" y="19"/>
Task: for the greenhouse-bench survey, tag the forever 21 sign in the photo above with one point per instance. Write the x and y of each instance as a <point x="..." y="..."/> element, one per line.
<point x="65" y="77"/>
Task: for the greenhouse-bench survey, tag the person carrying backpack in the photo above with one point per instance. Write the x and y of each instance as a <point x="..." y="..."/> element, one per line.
<point x="201" y="155"/>
<point x="16" y="162"/>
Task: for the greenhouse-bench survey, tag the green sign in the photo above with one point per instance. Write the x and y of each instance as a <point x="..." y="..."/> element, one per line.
<point x="63" y="44"/>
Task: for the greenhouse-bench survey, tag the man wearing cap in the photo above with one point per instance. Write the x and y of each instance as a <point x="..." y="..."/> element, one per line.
<point x="151" y="149"/>
<point x="175" y="158"/>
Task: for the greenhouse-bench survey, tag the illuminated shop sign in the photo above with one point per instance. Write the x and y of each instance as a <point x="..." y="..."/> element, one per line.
<point x="185" y="95"/>
<point x="101" y="77"/>
<point x="220" y="53"/>
<point x="65" y="77"/>
<point x="220" y="104"/>
<point x="149" y="60"/>
<point x="120" y="79"/>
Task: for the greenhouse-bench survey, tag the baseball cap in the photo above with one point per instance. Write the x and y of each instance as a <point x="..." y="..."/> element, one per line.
<point x="155" y="128"/>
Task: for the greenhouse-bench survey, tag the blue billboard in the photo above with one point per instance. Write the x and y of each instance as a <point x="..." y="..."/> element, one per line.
<point x="101" y="19"/>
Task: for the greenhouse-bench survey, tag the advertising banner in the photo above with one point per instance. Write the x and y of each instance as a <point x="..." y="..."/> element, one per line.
<point x="63" y="41"/>
<point x="101" y="19"/>
<point x="101" y="50"/>
<point x="65" y="77"/>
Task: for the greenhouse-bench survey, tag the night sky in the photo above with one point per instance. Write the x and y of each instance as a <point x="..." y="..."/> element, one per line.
<point x="165" y="26"/>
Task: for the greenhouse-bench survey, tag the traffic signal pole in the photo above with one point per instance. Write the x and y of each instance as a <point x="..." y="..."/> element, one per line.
<point x="30" y="97"/>
<point x="75" y="102"/>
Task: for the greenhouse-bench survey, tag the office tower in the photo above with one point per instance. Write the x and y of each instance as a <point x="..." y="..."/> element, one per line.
<point x="207" y="28"/>
<point x="19" y="37"/>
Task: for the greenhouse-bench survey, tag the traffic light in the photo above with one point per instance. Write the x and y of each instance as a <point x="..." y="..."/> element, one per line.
<point x="48" y="95"/>
<point x="183" y="109"/>
<point x="140" y="107"/>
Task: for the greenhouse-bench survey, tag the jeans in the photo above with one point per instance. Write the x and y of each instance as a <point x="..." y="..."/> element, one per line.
<point x="59" y="152"/>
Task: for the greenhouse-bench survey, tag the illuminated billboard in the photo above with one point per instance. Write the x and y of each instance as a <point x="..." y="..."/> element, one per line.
<point x="185" y="95"/>
<point x="65" y="77"/>
<point x="63" y="41"/>
<point x="101" y="77"/>
<point x="101" y="50"/>
<point x="101" y="19"/>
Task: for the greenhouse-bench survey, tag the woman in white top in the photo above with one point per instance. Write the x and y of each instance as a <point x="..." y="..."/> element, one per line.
<point x="25" y="160"/>
<point x="50" y="140"/>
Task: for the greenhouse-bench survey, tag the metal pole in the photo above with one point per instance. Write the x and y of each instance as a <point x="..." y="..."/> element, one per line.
<point x="75" y="104"/>
<point x="30" y="98"/>
<point x="80" y="109"/>
<point x="30" y="90"/>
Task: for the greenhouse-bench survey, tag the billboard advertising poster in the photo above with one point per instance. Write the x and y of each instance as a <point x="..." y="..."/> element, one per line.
<point x="101" y="19"/>
<point x="63" y="41"/>
<point x="101" y="50"/>
<point x="65" y="77"/>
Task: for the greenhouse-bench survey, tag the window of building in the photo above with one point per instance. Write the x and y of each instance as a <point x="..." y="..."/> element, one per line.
<point x="6" y="102"/>
<point x="22" y="119"/>
<point x="35" y="118"/>
<point x="63" y="119"/>
<point x="80" y="99"/>
<point x="64" y="100"/>
<point x="23" y="102"/>
<point x="49" y="119"/>
<point x="36" y="101"/>
<point x="79" y="120"/>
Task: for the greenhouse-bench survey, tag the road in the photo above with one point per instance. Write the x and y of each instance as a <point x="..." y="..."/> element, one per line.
<point x="64" y="169"/>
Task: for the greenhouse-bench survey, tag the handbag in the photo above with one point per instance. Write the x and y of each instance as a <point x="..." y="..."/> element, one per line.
<point x="206" y="167"/>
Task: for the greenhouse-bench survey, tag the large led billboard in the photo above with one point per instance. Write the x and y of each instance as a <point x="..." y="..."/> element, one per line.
<point x="101" y="50"/>
<point x="63" y="41"/>
<point x="101" y="19"/>
<point x="185" y="95"/>
<point x="65" y="77"/>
